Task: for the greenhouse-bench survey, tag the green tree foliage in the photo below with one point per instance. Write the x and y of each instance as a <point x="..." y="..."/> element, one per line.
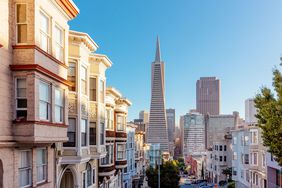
<point x="169" y="175"/>
<point x="227" y="172"/>
<point x="269" y="116"/>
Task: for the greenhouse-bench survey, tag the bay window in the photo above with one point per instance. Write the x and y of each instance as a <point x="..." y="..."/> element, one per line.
<point x="59" y="43"/>
<point x="254" y="136"/>
<point x="59" y="107"/>
<point x="21" y="98"/>
<point x="45" y="32"/>
<point x="121" y="151"/>
<point x="109" y="159"/>
<point x="21" y="23"/>
<point x="92" y="89"/>
<point x="83" y="126"/>
<point x="83" y="76"/>
<point x="71" y="133"/>
<point x="25" y="165"/>
<point x="72" y="76"/>
<point x="44" y="103"/>
<point x="41" y="165"/>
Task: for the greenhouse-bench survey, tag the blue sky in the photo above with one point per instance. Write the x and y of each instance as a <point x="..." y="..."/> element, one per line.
<point x="237" y="41"/>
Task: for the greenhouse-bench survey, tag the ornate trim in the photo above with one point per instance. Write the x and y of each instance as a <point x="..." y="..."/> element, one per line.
<point x="41" y="123"/>
<point x="38" y="68"/>
<point x="68" y="7"/>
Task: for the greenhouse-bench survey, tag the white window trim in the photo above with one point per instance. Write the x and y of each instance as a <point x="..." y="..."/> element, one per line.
<point x="252" y="131"/>
<point x="16" y="94"/>
<point x="46" y="164"/>
<point x="123" y="123"/>
<point x="48" y="35"/>
<point x="49" y="103"/>
<point x="62" y="106"/>
<point x="83" y="80"/>
<point x="20" y="23"/>
<point x="118" y="151"/>
<point x="62" y="46"/>
<point x="30" y="178"/>
<point x="86" y="132"/>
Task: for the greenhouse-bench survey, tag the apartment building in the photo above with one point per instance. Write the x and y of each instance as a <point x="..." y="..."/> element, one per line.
<point x="240" y="156"/>
<point x="274" y="172"/>
<point x="111" y="168"/>
<point x="34" y="89"/>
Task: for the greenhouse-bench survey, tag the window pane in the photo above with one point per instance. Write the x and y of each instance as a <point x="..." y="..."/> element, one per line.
<point x="59" y="97"/>
<point x="22" y="33"/>
<point x="43" y="110"/>
<point x="44" y="92"/>
<point x="83" y="73"/>
<point x="21" y="13"/>
<point x="44" y="25"/>
<point x="41" y="156"/>
<point x="59" y="35"/>
<point x="83" y="126"/>
<point x="44" y="42"/>
<point x="22" y="103"/>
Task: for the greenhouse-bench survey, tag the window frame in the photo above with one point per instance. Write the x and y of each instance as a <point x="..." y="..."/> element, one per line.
<point x="57" y="44"/>
<point x="61" y="107"/>
<point x="48" y="103"/>
<point x="91" y="123"/>
<point x="103" y="161"/>
<point x="86" y="144"/>
<point x="44" y="165"/>
<point x="69" y="144"/>
<point x="24" y="23"/>
<point x="118" y="151"/>
<point x="122" y="123"/>
<point x="18" y="98"/>
<point x="254" y="139"/>
<point x="49" y="34"/>
<point x="83" y="80"/>
<point x="92" y="89"/>
<point x="28" y="168"/>
<point x="73" y="87"/>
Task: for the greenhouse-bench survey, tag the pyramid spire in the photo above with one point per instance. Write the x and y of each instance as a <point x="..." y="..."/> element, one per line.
<point x="158" y="51"/>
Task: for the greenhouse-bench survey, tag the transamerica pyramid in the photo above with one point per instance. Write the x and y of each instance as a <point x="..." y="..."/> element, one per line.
<point x="157" y="128"/>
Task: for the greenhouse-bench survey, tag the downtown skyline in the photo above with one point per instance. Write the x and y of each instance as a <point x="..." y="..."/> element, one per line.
<point x="237" y="42"/>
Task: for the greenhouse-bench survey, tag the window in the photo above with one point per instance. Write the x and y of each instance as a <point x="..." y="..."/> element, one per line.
<point x="220" y="148"/>
<point x="102" y="93"/>
<point x="120" y="123"/>
<point x="109" y="117"/>
<point x="234" y="140"/>
<point x="224" y="147"/>
<point x="109" y="159"/>
<point x="59" y="108"/>
<point x="102" y="133"/>
<point x="83" y="76"/>
<point x="21" y="100"/>
<point x="92" y="90"/>
<point x="93" y="176"/>
<point x="89" y="175"/>
<point x="44" y="104"/>
<point x="83" y="126"/>
<point x="242" y="174"/>
<point x="92" y="136"/>
<point x="71" y="133"/>
<point x="224" y="158"/>
<point x="72" y="76"/>
<point x="247" y="176"/>
<point x="84" y="183"/>
<point x="254" y="136"/>
<point x="254" y="158"/>
<point x="246" y="158"/>
<point x="21" y="23"/>
<point x="25" y="168"/>
<point x="121" y="152"/>
<point x="220" y="158"/>
<point x="234" y="155"/>
<point x="44" y="32"/>
<point x="234" y="171"/>
<point x="59" y="46"/>
<point x="41" y="165"/>
<point x="263" y="160"/>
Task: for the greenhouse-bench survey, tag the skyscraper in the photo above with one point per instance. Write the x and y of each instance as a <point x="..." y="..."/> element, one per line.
<point x="144" y="115"/>
<point x="157" y="129"/>
<point x="170" y="115"/>
<point x="208" y="95"/>
<point x="250" y="111"/>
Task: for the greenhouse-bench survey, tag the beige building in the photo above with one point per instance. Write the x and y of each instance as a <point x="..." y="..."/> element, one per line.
<point x="34" y="88"/>
<point x="78" y="162"/>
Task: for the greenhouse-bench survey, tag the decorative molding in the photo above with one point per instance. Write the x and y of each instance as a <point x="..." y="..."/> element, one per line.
<point x="41" y="123"/>
<point x="41" y="51"/>
<point x="68" y="7"/>
<point x="38" y="68"/>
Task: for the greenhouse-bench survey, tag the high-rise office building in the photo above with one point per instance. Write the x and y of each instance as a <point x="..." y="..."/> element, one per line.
<point x="170" y="117"/>
<point x="208" y="95"/>
<point x="157" y="129"/>
<point x="250" y="111"/>
<point x="144" y="115"/>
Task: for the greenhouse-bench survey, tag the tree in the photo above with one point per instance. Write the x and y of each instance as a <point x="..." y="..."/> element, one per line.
<point x="227" y="172"/>
<point x="269" y="115"/>
<point x="169" y="175"/>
